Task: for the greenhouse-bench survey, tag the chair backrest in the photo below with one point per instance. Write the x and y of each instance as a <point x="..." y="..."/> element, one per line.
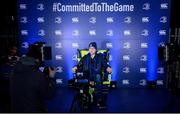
<point x="83" y="52"/>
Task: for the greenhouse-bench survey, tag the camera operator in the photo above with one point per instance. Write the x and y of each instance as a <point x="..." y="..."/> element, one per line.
<point x="29" y="87"/>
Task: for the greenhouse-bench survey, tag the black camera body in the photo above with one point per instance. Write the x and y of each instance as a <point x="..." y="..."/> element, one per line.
<point x="46" y="51"/>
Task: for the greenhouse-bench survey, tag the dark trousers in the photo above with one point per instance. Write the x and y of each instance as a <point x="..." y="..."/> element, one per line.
<point x="99" y="96"/>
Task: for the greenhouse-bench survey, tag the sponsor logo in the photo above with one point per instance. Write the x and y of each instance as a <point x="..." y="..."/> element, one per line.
<point x="40" y="7"/>
<point x="143" y="58"/>
<point x="162" y="32"/>
<point x="74" y="57"/>
<point x="110" y="57"/>
<point x="23" y="20"/>
<point x="127" y="20"/>
<point x="58" y="32"/>
<point x="146" y="6"/>
<point x="126" y="70"/>
<point x="109" y="32"/>
<point x="126" y="57"/>
<point x="126" y="45"/>
<point x="75" y="33"/>
<point x="58" y="57"/>
<point x="144" y="45"/>
<point x="109" y="20"/>
<point x="41" y="32"/>
<point x="125" y="82"/>
<point x="75" y="20"/>
<point x="59" y="69"/>
<point x="23" y="6"/>
<point x="41" y="69"/>
<point x="109" y="45"/>
<point x="92" y="32"/>
<point x="163" y="19"/>
<point x="159" y="82"/>
<point x="92" y="20"/>
<point x="25" y="45"/>
<point x="75" y="45"/>
<point x="143" y="70"/>
<point x="59" y="81"/>
<point x="127" y="32"/>
<point x="145" y="32"/>
<point x="145" y="19"/>
<point x="164" y="6"/>
<point x="58" y="20"/>
<point x="24" y="32"/>
<point x="58" y="45"/>
<point x="160" y="70"/>
<point x="142" y="82"/>
<point x="40" y="20"/>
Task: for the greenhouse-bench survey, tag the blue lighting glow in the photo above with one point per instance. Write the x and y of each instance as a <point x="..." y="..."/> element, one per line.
<point x="123" y="30"/>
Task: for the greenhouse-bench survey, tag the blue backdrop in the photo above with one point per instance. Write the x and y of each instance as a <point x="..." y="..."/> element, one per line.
<point x="131" y="29"/>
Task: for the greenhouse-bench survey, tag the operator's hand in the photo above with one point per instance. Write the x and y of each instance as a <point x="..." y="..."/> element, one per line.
<point x="74" y="69"/>
<point x="52" y="72"/>
<point x="109" y="70"/>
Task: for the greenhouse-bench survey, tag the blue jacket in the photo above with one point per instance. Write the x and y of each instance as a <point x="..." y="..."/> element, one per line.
<point x="92" y="67"/>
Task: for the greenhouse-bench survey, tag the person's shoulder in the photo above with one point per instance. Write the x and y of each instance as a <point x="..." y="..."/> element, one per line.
<point x="100" y="54"/>
<point x="86" y="56"/>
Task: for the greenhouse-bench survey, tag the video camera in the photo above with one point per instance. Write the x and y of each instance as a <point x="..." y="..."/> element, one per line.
<point x="45" y="54"/>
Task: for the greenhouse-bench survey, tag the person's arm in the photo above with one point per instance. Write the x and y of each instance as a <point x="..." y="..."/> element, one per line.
<point x="105" y="65"/>
<point x="79" y="66"/>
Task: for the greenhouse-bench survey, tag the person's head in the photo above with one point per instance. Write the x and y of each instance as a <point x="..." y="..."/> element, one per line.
<point x="92" y="48"/>
<point x="13" y="50"/>
<point x="35" y="52"/>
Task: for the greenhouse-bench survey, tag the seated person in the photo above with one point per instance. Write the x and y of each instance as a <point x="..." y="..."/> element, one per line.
<point x="92" y="66"/>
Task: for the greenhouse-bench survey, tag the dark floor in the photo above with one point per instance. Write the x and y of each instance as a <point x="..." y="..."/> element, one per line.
<point x="119" y="100"/>
<point x="123" y="100"/>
